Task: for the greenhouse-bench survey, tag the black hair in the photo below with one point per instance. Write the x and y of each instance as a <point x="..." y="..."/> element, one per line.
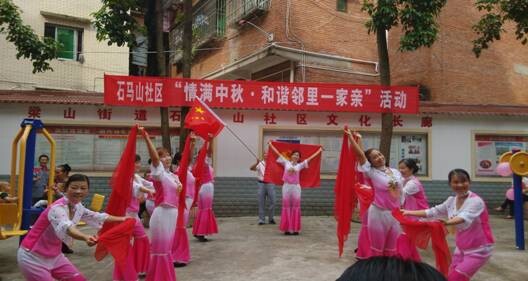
<point x="65" y="168"/>
<point x="296" y="151"/>
<point x="138" y="158"/>
<point x="76" y="177"/>
<point x="149" y="161"/>
<point x="390" y="268"/>
<point x="43" y="156"/>
<point x="458" y="173"/>
<point x="177" y="158"/>
<point x="411" y="164"/>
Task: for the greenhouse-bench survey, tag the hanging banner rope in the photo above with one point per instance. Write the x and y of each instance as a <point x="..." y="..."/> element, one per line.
<point x="166" y="92"/>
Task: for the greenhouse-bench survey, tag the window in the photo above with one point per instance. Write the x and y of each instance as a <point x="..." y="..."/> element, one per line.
<point x="404" y="145"/>
<point x="69" y="37"/>
<point x="488" y="149"/>
<point x="341" y="5"/>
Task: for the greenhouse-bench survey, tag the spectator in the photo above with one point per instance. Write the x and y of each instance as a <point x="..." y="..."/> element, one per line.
<point x="508" y="201"/>
<point x="382" y="268"/>
<point x="40" y="178"/>
<point x="5" y="197"/>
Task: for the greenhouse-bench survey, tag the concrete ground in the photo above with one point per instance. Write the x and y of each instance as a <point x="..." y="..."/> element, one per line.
<point x="246" y="251"/>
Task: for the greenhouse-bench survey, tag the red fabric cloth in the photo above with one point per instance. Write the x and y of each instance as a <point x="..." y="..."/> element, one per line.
<point x="182" y="175"/>
<point x="309" y="177"/>
<point x="198" y="169"/>
<point x="203" y="121"/>
<point x="365" y="195"/>
<point x="116" y="241"/>
<point x="420" y="232"/>
<point x="345" y="196"/>
<point x="120" y="196"/>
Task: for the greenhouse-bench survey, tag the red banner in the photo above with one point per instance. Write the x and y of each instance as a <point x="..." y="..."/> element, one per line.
<point x="158" y="91"/>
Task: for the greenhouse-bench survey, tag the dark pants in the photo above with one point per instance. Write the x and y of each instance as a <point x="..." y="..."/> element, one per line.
<point x="509" y="203"/>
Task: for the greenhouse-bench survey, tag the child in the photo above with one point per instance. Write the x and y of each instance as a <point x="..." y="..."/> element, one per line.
<point x="5" y="197"/>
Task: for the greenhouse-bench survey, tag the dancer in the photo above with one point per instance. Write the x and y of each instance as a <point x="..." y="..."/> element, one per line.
<point x="165" y="214"/>
<point x="413" y="194"/>
<point x="205" y="221"/>
<point x="39" y="256"/>
<point x="383" y="229"/>
<point x="467" y="212"/>
<point x="181" y="253"/>
<point x="265" y="189"/>
<point x="137" y="262"/>
<point x="291" y="190"/>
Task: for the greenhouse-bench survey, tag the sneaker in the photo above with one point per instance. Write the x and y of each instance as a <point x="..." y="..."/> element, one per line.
<point x="499" y="209"/>
<point x="271" y="222"/>
<point x="261" y="223"/>
<point x="287" y="233"/>
<point x="295" y="233"/>
<point x="508" y="217"/>
<point x="201" y="238"/>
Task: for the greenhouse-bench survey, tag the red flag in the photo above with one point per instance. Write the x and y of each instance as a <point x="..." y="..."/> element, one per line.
<point x="345" y="195"/>
<point x="420" y="232"/>
<point x="310" y="177"/>
<point x="203" y="121"/>
<point x="121" y="194"/>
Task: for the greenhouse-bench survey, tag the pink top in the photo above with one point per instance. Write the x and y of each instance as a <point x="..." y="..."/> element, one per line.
<point x="383" y="198"/>
<point x="166" y="187"/>
<point x="291" y="172"/>
<point x="207" y="175"/>
<point x="413" y="195"/>
<point x="137" y="183"/>
<point x="475" y="231"/>
<point x="51" y="228"/>
<point x="190" y="188"/>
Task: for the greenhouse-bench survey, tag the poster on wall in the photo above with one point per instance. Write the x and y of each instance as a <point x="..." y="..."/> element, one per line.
<point x="95" y="148"/>
<point x="402" y="146"/>
<point x="490" y="147"/>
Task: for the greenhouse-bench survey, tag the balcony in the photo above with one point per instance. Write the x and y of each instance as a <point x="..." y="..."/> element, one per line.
<point x="246" y="10"/>
<point x="209" y="24"/>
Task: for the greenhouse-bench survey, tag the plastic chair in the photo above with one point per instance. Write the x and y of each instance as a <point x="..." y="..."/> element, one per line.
<point x="96" y="205"/>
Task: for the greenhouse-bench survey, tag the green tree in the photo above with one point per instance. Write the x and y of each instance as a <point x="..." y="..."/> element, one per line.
<point x="496" y="14"/>
<point x="417" y="19"/>
<point x="114" y="22"/>
<point x="29" y="46"/>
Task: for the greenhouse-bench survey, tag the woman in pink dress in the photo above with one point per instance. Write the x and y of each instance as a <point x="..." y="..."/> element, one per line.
<point x="180" y="250"/>
<point x="467" y="212"/>
<point x="205" y="221"/>
<point x="39" y="256"/>
<point x="413" y="194"/>
<point x="137" y="263"/>
<point x="291" y="190"/>
<point x="164" y="216"/>
<point x="383" y="229"/>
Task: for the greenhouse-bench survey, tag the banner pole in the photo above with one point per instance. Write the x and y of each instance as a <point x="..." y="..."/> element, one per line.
<point x="242" y="142"/>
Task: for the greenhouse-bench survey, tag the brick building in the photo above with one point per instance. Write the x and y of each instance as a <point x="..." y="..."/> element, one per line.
<point x="472" y="109"/>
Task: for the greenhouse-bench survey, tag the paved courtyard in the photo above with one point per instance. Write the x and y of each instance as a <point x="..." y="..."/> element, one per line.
<point x="246" y="251"/>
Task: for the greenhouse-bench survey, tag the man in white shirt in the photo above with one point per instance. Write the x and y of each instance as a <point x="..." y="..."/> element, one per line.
<point x="265" y="189"/>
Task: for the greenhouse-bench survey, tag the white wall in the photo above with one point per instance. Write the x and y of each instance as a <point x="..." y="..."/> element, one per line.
<point x="99" y="57"/>
<point x="451" y="136"/>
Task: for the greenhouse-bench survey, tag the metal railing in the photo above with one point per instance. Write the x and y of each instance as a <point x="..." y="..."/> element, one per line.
<point x="209" y="23"/>
<point x="246" y="9"/>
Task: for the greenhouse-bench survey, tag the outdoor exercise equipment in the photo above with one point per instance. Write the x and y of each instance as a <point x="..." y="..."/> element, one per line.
<point x="18" y="215"/>
<point x="518" y="161"/>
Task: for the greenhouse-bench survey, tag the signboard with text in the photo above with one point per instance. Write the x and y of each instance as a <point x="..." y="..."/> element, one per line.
<point x="167" y="92"/>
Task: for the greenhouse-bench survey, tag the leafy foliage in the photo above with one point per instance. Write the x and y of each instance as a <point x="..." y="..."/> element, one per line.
<point x="114" y="22"/>
<point x="28" y="44"/>
<point x="496" y="14"/>
<point x="417" y="18"/>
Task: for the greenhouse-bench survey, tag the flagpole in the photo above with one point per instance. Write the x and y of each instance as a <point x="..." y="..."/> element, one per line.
<point x="242" y="142"/>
